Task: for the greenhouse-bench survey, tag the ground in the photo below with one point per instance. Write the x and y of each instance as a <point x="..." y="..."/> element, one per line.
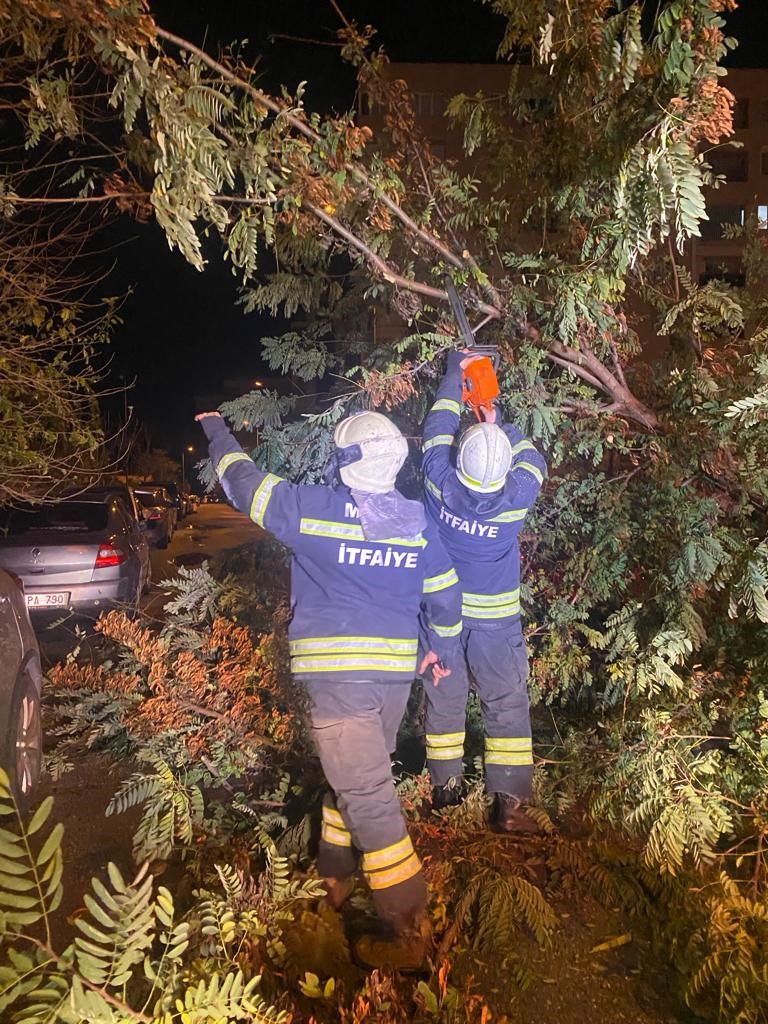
<point x="571" y="982"/>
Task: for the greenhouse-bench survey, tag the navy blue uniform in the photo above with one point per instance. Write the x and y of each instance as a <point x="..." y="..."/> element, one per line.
<point x="480" y="533"/>
<point x="357" y="606"/>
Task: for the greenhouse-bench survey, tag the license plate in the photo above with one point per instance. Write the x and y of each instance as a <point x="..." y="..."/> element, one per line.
<point x="59" y="600"/>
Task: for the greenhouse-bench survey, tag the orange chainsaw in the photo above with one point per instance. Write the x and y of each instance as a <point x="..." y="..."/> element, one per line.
<point x="481" y="387"/>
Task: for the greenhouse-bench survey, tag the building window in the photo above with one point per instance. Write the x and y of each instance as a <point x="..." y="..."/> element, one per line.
<point x="733" y="164"/>
<point x="712" y="227"/>
<point x="438" y="148"/>
<point x="764" y="160"/>
<point x="741" y="114"/>
<point x="429" y="104"/>
<point x="764" y="110"/>
<point x="762" y="218"/>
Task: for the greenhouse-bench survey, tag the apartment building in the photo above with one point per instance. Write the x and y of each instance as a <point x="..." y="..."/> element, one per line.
<point x="742" y="162"/>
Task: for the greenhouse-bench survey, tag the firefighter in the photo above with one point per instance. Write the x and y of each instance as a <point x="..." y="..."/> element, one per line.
<point x="477" y="494"/>
<point x="368" y="571"/>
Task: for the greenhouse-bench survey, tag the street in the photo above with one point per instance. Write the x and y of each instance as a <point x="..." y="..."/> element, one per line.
<point x="200" y="536"/>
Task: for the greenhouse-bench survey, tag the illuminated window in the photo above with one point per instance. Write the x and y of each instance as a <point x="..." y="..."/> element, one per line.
<point x="762" y="217"/>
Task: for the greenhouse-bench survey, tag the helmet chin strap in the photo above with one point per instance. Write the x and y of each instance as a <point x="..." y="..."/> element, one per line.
<point x="341" y="457"/>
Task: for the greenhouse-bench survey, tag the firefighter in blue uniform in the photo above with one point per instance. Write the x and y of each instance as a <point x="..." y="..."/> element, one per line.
<point x="367" y="572"/>
<point x="477" y="493"/>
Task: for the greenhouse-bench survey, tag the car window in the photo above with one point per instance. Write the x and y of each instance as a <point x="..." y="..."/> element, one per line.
<point x="149" y="499"/>
<point x="125" y="515"/>
<point x="66" y="517"/>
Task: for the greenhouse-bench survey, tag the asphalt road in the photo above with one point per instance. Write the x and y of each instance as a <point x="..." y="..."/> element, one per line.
<point x="213" y="528"/>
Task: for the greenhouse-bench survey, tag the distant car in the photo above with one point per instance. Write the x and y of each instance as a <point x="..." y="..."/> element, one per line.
<point x="21" y="737"/>
<point x="159" y="513"/>
<point x="175" y="492"/>
<point x="84" y="554"/>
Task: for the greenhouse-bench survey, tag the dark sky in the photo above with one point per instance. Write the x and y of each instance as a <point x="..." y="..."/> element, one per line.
<point x="182" y="333"/>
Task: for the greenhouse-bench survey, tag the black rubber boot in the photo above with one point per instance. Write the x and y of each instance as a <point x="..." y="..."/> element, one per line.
<point x="509" y="815"/>
<point x="450" y="795"/>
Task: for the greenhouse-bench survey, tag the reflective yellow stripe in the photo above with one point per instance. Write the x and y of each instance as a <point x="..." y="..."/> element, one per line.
<point x="445" y="753"/>
<point x="438" y="439"/>
<point x="522" y="446"/>
<point x="433" y="489"/>
<point x="446" y="630"/>
<point x="446" y="403"/>
<point x="531" y="469"/>
<point x="372" y="663"/>
<point x="353" y="644"/>
<point x="404" y="871"/>
<point x="335" y="836"/>
<point x="470" y="481"/>
<point x="438" y="738"/>
<point x="261" y="497"/>
<point x="333" y="817"/>
<point x="520" y="757"/>
<point x="492" y="599"/>
<point x="509" y="750"/>
<point x="387" y="856"/>
<point x="513" y="516"/>
<point x="327" y="528"/>
<point x="225" y="462"/>
<point x="473" y="611"/>
<point x="445" y="579"/>
<point x="348" y="531"/>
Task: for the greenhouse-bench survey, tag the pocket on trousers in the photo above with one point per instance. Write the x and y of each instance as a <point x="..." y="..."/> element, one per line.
<point x="518" y="650"/>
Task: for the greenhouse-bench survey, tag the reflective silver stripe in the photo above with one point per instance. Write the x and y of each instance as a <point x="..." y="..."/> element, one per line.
<point x="433" y="488"/>
<point x="522" y="446"/>
<point x="262" y="496"/>
<point x="334" y="835"/>
<point x="512" y="758"/>
<point x="328" y="528"/>
<point x="513" y="516"/>
<point x="437" y="440"/>
<point x="446" y="630"/>
<point x="350" y="531"/>
<point x="508" y="743"/>
<point x="352" y="644"/>
<point x="333" y="817"/>
<point x="354" y="663"/>
<point x="534" y="470"/>
<point x="492" y="599"/>
<point x="448" y="404"/>
<point x="224" y="463"/>
<point x="502" y="612"/>
<point x="434" y="583"/>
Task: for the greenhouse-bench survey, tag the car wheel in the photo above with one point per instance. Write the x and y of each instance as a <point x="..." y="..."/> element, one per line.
<point x="23" y="743"/>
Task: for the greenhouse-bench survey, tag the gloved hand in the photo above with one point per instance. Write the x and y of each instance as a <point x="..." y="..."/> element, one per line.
<point x="455" y="362"/>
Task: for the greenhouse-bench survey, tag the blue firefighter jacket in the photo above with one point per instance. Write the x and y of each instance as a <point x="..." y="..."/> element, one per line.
<point x="357" y="604"/>
<point x="480" y="531"/>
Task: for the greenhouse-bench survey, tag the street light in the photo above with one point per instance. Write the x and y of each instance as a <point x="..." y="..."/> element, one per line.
<point x="188" y="448"/>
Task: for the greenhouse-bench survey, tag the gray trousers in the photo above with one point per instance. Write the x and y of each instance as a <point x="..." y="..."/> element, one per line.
<point x="354" y="727"/>
<point x="497" y="660"/>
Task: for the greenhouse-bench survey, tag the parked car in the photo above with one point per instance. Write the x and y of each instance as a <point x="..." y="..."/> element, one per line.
<point x="175" y="492"/>
<point x="159" y="514"/>
<point x="84" y="554"/>
<point x="21" y="738"/>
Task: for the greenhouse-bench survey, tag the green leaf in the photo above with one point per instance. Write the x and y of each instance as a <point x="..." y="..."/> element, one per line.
<point x="51" y="845"/>
<point x="40" y="816"/>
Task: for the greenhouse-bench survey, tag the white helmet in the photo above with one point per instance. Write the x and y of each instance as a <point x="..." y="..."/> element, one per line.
<point x="485" y="455"/>
<point x="383" y="451"/>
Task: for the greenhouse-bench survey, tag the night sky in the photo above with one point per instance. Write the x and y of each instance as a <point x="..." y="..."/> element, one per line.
<point x="182" y="333"/>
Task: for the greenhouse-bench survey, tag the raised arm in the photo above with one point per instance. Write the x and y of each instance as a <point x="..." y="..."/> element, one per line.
<point x="528" y="470"/>
<point x="443" y="419"/>
<point x="269" y="500"/>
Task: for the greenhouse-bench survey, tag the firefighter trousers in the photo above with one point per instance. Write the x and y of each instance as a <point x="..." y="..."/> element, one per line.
<point x="354" y="727"/>
<point x="497" y="661"/>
